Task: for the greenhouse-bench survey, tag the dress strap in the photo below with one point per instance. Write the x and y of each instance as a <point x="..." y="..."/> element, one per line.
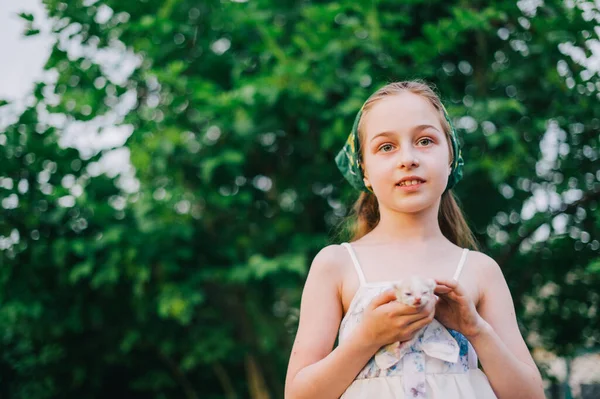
<point x="361" y="276"/>
<point x="461" y="263"/>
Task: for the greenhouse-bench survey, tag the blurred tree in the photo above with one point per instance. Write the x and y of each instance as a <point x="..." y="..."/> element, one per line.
<point x="184" y="279"/>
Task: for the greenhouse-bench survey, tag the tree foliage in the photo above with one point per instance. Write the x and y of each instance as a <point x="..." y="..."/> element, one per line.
<point x="183" y="279"/>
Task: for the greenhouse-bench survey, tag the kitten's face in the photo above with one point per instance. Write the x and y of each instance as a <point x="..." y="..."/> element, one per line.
<point x="415" y="291"/>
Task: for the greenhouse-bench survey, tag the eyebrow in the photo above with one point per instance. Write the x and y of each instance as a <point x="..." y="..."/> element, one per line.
<point x="414" y="129"/>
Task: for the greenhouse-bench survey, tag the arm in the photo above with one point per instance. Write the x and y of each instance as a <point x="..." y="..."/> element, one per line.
<point x="501" y="349"/>
<point x="314" y="370"/>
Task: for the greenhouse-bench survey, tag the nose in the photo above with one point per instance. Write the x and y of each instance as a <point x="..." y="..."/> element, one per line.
<point x="417" y="300"/>
<point x="407" y="159"/>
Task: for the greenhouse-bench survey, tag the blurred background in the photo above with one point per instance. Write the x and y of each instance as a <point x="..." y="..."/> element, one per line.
<point x="167" y="176"/>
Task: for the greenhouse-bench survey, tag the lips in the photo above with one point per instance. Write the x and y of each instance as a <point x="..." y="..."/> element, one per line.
<point x="411" y="177"/>
<point x="410" y="181"/>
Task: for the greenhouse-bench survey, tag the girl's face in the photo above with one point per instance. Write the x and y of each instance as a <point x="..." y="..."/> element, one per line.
<point x="402" y="136"/>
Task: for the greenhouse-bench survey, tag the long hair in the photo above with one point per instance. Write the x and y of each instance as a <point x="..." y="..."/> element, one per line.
<point x="365" y="216"/>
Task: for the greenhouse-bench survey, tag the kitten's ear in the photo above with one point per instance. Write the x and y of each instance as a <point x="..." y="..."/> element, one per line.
<point x="431" y="283"/>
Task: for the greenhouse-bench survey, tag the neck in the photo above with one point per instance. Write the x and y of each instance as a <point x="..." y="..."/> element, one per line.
<point x="408" y="228"/>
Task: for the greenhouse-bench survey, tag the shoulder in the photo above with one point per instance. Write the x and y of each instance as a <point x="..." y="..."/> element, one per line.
<point x="486" y="270"/>
<point x="330" y="253"/>
<point x="322" y="291"/>
<point x="483" y="264"/>
<point x="329" y="261"/>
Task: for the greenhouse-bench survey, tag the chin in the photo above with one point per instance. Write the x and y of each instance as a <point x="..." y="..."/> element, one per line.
<point x="414" y="203"/>
<point x="417" y="203"/>
<point x="413" y="206"/>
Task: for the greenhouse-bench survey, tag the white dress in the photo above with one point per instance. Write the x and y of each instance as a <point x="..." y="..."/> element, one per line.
<point x="440" y="362"/>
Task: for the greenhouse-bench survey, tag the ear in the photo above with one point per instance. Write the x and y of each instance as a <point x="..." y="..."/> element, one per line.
<point x="431" y="283"/>
<point x="365" y="177"/>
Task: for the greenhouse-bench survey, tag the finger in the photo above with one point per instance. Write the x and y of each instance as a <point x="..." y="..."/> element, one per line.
<point x="409" y="320"/>
<point x="452" y="284"/>
<point x="451" y="296"/>
<point x="418" y="324"/>
<point x="442" y="289"/>
<point x="454" y="296"/>
<point x="430" y="308"/>
<point x="383" y="298"/>
<point x="401" y="309"/>
<point x="447" y="281"/>
<point x="453" y="299"/>
<point x="443" y="300"/>
<point x="419" y="313"/>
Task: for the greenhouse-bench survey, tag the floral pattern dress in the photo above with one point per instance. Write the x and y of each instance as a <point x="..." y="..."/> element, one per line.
<point x="437" y="363"/>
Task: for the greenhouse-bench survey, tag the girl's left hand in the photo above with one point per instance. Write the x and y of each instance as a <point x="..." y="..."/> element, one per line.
<point x="455" y="310"/>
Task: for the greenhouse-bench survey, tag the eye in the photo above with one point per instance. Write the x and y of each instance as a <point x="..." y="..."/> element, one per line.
<point x="426" y="139"/>
<point x="425" y="292"/>
<point x="384" y="146"/>
<point x="407" y="294"/>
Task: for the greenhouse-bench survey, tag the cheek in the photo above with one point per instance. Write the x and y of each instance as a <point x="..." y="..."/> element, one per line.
<point x="380" y="169"/>
<point x="442" y="155"/>
<point x="440" y="166"/>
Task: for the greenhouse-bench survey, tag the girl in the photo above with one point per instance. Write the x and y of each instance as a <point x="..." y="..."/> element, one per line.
<point x="403" y="154"/>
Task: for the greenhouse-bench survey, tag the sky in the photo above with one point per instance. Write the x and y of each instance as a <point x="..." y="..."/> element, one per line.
<point x="24" y="57"/>
<point x="24" y="65"/>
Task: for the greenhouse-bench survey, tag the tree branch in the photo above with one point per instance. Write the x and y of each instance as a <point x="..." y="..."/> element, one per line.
<point x="179" y="375"/>
<point x="224" y="380"/>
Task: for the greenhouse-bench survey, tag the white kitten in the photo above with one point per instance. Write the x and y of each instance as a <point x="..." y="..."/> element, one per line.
<point x="433" y="339"/>
<point x="414" y="291"/>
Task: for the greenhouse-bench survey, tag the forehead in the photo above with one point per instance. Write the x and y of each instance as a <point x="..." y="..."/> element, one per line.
<point x="399" y="113"/>
<point x="413" y="282"/>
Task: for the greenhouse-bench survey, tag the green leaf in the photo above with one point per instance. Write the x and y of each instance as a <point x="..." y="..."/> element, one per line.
<point x="26" y="16"/>
<point x="81" y="271"/>
<point x="32" y="32"/>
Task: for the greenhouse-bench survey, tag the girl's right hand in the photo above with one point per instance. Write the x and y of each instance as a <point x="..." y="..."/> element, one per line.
<point x="386" y="320"/>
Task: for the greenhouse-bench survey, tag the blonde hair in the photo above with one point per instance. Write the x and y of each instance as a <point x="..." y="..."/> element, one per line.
<point x="365" y="211"/>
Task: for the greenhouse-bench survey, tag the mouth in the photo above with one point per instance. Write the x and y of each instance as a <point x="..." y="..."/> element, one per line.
<point x="410" y="184"/>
